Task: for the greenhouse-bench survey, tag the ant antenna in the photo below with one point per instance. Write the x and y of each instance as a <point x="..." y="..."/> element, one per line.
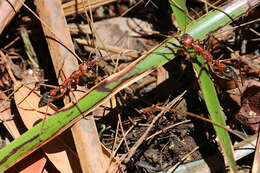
<point x="55" y="39"/>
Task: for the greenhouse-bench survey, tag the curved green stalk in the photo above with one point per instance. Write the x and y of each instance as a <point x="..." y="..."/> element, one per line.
<point x="206" y="84"/>
<point x="60" y="121"/>
<point x="216" y="114"/>
<point x="181" y="13"/>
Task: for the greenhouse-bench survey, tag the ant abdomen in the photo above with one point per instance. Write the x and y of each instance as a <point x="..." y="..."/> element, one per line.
<point x="45" y="99"/>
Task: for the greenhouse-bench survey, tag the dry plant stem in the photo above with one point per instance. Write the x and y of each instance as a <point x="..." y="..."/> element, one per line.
<point x="11" y="43"/>
<point x="169" y="127"/>
<point x="62" y="60"/>
<point x="255" y="32"/>
<point x="111" y="158"/>
<point x="9" y="124"/>
<point x="8" y="68"/>
<point x="29" y="48"/>
<point x="74" y="7"/>
<point x="184" y="158"/>
<point x="114" y="144"/>
<point x="121" y="141"/>
<point x="8" y="10"/>
<point x="89" y="29"/>
<point x="208" y="4"/>
<point x="131" y="8"/>
<point x="87" y="149"/>
<point x="113" y="49"/>
<point x="94" y="31"/>
<point x="123" y="132"/>
<point x="128" y="156"/>
<point x="207" y="120"/>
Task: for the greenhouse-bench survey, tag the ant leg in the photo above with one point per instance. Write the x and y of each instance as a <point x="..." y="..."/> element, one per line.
<point x="63" y="74"/>
<point x="187" y="54"/>
<point x="75" y="102"/>
<point x="206" y="60"/>
<point x="47" y="97"/>
<point x="32" y="90"/>
<point x="202" y="67"/>
<point x="49" y="86"/>
<point x="188" y="57"/>
<point x="60" y="94"/>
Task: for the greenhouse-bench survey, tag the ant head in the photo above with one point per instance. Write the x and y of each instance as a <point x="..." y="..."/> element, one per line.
<point x="86" y="66"/>
<point x="186" y="40"/>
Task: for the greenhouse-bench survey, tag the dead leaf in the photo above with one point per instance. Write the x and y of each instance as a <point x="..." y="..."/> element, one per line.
<point x="249" y="113"/>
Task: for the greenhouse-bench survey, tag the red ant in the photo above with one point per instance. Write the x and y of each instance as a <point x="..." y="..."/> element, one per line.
<point x="188" y="42"/>
<point x="71" y="82"/>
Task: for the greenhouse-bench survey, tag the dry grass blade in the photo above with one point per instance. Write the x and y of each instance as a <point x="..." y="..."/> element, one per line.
<point x="60" y="46"/>
<point x="74" y="7"/>
<point x="128" y="156"/>
<point x="8" y="11"/>
<point x="64" y="60"/>
<point x="7" y="117"/>
<point x="114" y="49"/>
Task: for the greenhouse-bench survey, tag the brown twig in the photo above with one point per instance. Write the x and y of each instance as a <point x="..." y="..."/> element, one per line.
<point x="128" y="156"/>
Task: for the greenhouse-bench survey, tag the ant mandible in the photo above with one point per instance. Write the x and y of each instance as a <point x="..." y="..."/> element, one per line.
<point x="71" y="82"/>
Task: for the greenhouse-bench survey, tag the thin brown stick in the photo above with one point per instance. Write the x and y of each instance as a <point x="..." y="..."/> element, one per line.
<point x="184" y="158"/>
<point x="123" y="133"/>
<point x="12" y="42"/>
<point x="204" y="119"/>
<point x="8" y="68"/>
<point x="128" y="155"/>
<point x="169" y="127"/>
